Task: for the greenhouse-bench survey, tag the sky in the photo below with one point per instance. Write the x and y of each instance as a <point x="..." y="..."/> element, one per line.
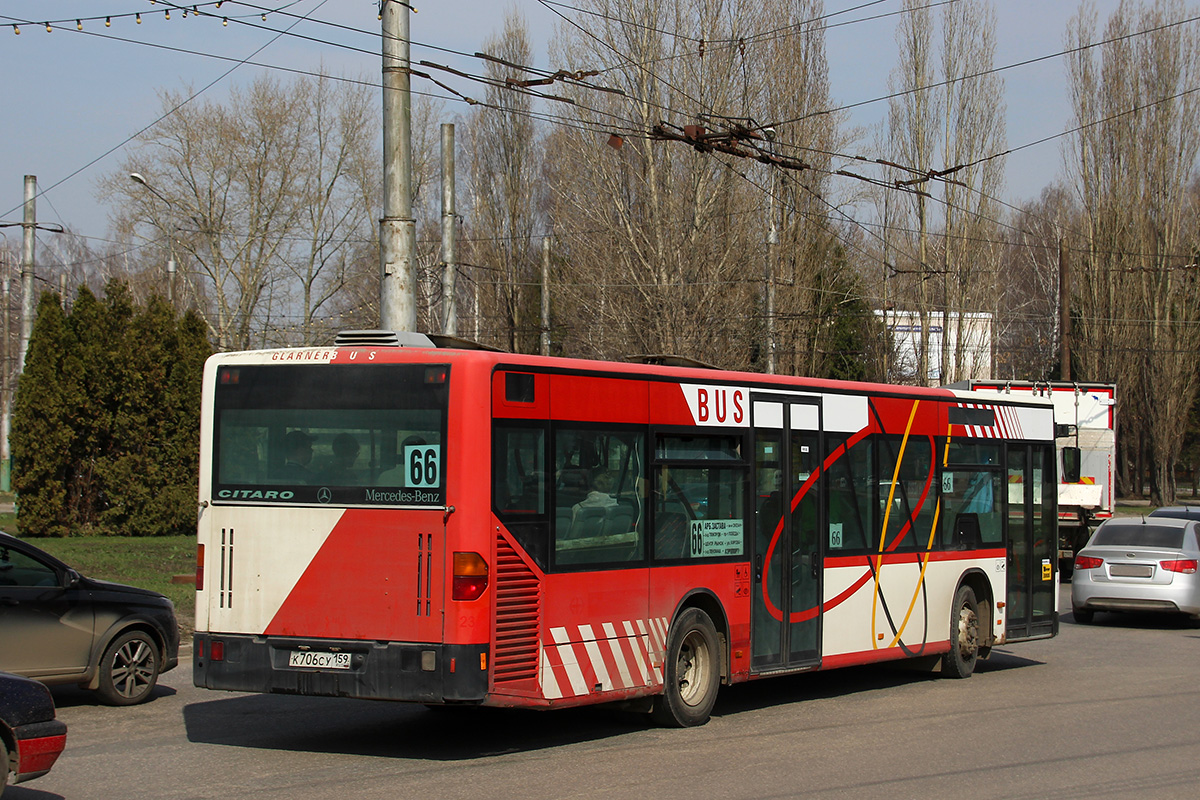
<point x="73" y="99"/>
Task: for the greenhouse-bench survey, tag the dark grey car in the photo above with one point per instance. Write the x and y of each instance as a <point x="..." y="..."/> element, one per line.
<point x="1178" y="512"/>
<point x="61" y="627"/>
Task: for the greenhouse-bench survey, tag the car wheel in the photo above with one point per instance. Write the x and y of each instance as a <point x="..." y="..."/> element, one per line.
<point x="1083" y="616"/>
<point x="964" y="635"/>
<point x="691" y="674"/>
<point x="129" y="669"/>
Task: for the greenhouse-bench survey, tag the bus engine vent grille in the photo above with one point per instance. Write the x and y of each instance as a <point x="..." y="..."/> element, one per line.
<point x="518" y="617"/>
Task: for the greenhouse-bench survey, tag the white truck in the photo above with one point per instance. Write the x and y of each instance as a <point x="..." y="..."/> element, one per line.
<point x="1085" y="416"/>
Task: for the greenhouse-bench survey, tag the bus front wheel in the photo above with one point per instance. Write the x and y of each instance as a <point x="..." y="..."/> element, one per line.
<point x="964" y="635"/>
<point x="692" y="672"/>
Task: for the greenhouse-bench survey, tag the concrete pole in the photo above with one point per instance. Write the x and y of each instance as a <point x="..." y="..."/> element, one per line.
<point x="546" y="296"/>
<point x="449" y="257"/>
<point x="28" y="229"/>
<point x="772" y="252"/>
<point x="397" y="229"/>
<point x="5" y="399"/>
<point x="1064" y="311"/>
<point x="888" y="342"/>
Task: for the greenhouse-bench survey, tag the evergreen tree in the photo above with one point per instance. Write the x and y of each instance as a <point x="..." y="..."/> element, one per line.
<point x="42" y="427"/>
<point x="107" y="418"/>
<point x="151" y="473"/>
<point x="97" y="335"/>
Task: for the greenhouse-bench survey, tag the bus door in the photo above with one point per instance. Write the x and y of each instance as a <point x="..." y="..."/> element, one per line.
<point x="1031" y="542"/>
<point x="787" y="559"/>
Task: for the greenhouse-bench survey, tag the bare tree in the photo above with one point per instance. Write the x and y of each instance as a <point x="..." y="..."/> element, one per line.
<point x="913" y="129"/>
<point x="1133" y="158"/>
<point x="1027" y="335"/>
<point x="257" y="199"/>
<point x="504" y="165"/>
<point x="664" y="244"/>
<point x="973" y="138"/>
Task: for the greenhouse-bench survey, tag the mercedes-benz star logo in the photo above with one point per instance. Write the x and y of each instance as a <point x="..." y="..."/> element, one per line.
<point x="324" y="495"/>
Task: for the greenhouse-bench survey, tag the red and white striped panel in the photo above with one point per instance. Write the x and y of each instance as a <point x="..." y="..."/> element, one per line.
<point x="1008" y="423"/>
<point x="622" y="655"/>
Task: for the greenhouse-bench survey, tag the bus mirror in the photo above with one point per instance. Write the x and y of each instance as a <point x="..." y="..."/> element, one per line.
<point x="1070" y="464"/>
<point x="1062" y="429"/>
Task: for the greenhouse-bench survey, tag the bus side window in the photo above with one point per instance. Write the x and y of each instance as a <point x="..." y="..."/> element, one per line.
<point x="851" y="494"/>
<point x="700" y="485"/>
<point x="598" y="496"/>
<point x="520" y="471"/>
<point x="972" y="485"/>
<point x="909" y="518"/>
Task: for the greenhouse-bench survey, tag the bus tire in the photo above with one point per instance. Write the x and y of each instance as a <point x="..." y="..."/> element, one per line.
<point x="691" y="672"/>
<point x="959" y="662"/>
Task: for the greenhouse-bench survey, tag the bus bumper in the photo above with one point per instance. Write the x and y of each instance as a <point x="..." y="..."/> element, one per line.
<point x="422" y="673"/>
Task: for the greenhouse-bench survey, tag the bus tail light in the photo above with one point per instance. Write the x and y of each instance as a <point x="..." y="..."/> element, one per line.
<point x="470" y="576"/>
<point x="199" y="568"/>
<point x="216" y="651"/>
<point x="1087" y="562"/>
<point x="1186" y="565"/>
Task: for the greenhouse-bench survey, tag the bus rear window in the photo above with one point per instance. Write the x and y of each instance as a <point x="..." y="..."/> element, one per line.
<point x="330" y="434"/>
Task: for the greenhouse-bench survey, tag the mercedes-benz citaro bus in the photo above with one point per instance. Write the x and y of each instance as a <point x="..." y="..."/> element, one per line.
<point x="384" y="518"/>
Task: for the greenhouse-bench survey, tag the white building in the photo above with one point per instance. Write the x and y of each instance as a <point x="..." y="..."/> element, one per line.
<point x="969" y="337"/>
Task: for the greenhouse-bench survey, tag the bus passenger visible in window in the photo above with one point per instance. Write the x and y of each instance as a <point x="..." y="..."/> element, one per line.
<point x="601" y="494"/>
<point x="298" y="453"/>
<point x="978" y="497"/>
<point x="340" y="470"/>
<point x="395" y="475"/>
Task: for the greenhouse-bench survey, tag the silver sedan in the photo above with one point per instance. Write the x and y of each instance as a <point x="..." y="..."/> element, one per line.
<point x="1135" y="564"/>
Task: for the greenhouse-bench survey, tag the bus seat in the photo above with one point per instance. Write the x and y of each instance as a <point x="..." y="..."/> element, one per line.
<point x="618" y="519"/>
<point x="588" y="522"/>
<point x="671" y="535"/>
<point x="572" y="488"/>
<point x="966" y="531"/>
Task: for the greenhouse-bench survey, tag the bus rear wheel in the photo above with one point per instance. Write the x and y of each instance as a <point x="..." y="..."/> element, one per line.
<point x="692" y="672"/>
<point x="964" y="635"/>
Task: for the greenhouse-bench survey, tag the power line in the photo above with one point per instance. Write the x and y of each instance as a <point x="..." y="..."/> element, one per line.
<point x="193" y="96"/>
<point x="990" y="71"/>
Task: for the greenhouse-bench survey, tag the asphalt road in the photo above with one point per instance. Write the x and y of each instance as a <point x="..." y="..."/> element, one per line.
<point x="1107" y="710"/>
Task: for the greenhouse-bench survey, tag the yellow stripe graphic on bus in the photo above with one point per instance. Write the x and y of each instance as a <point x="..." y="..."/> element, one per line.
<point x="887" y="515"/>
<point x="937" y="510"/>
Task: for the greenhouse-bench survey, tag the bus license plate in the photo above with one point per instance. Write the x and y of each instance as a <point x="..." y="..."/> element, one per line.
<point x="317" y="660"/>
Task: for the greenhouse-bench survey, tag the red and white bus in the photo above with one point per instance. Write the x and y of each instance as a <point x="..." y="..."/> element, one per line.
<point x="455" y="526"/>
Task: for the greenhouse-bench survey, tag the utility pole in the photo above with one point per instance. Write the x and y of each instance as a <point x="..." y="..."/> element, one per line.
<point x="1064" y="311"/>
<point x="772" y="251"/>
<point x="27" y="241"/>
<point x="888" y="336"/>
<point x="922" y="296"/>
<point x="449" y="259"/>
<point x="546" y="296"/>
<point x="140" y="180"/>
<point x="397" y="229"/>
<point x="5" y="391"/>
